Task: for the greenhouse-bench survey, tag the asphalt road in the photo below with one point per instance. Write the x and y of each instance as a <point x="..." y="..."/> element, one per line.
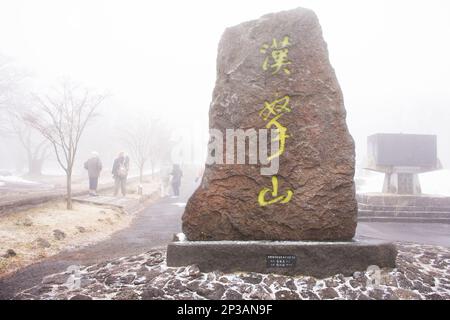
<point x="424" y="233"/>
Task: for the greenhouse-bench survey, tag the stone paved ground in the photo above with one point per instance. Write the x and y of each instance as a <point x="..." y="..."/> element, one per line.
<point x="423" y="272"/>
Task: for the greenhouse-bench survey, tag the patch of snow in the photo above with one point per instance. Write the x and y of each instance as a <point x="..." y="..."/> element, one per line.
<point x="370" y="182"/>
<point x="179" y="204"/>
<point x="181" y="237"/>
<point x="436" y="182"/>
<point x="15" y="179"/>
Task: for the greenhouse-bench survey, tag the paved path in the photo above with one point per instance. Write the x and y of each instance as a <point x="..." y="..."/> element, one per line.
<point x="127" y="204"/>
<point x="153" y="227"/>
<point x="424" y="233"/>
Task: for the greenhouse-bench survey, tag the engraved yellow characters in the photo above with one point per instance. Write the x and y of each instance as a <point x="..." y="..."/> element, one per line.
<point x="276" y="108"/>
<point x="277" y="55"/>
<point x="281" y="136"/>
<point x="276" y="60"/>
<point x="275" y="198"/>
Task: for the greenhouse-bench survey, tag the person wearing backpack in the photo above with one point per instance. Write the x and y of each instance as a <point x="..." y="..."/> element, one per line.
<point x="120" y="170"/>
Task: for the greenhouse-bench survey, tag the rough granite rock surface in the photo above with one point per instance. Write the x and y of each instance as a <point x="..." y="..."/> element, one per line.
<point x="318" y="161"/>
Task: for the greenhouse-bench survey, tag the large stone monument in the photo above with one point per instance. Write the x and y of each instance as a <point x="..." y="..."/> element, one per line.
<point x="274" y="74"/>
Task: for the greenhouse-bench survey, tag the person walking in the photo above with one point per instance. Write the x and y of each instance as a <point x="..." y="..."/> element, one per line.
<point x="93" y="166"/>
<point x="176" y="179"/>
<point x="165" y="182"/>
<point x="120" y="170"/>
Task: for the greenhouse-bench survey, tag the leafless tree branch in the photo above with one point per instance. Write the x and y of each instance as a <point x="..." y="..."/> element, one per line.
<point x="62" y="118"/>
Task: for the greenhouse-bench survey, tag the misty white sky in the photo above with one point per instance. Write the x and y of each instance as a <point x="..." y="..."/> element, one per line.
<point x="392" y="58"/>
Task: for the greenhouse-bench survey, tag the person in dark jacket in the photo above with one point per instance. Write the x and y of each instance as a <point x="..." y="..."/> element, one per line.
<point x="94" y="167"/>
<point x="176" y="179"/>
<point x="120" y="170"/>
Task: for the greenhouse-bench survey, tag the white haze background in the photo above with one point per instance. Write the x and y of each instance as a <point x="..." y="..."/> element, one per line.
<point x="392" y="59"/>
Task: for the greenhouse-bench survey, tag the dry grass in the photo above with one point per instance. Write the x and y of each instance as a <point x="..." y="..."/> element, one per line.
<point x="30" y="233"/>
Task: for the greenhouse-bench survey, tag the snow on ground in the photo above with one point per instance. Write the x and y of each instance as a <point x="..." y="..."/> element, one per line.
<point x="16" y="180"/>
<point x="435" y="182"/>
<point x="14" y="185"/>
<point x="423" y="272"/>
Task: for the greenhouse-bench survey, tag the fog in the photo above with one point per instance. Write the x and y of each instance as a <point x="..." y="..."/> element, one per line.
<point x="157" y="59"/>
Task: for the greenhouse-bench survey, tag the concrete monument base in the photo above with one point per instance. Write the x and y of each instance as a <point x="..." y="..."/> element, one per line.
<point x="318" y="259"/>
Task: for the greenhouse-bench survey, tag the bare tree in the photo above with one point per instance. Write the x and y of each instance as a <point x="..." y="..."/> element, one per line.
<point x="14" y="102"/>
<point x="62" y="118"/>
<point x="146" y="141"/>
<point x="35" y="146"/>
<point x="9" y="84"/>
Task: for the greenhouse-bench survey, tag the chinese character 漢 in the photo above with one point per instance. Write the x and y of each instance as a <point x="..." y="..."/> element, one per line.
<point x="277" y="56"/>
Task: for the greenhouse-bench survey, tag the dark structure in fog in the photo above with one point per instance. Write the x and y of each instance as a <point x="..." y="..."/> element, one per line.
<point x="401" y="157"/>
